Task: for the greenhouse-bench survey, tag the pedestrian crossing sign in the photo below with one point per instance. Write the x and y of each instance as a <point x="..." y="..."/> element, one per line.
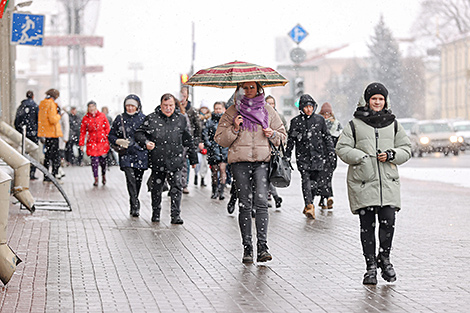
<point x="27" y="29"/>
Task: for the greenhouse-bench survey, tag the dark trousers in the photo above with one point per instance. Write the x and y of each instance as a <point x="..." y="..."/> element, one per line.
<point x="51" y="155"/>
<point x="32" y="169"/>
<point x="310" y="182"/>
<point x="176" y="189"/>
<point x="386" y="216"/>
<point x="98" y="161"/>
<point x="251" y="180"/>
<point x="134" y="182"/>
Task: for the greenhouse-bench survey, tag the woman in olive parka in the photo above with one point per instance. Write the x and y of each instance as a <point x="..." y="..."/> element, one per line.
<point x="373" y="144"/>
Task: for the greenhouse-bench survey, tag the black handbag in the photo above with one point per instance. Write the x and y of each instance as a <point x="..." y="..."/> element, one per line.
<point x="280" y="169"/>
<point x="120" y="149"/>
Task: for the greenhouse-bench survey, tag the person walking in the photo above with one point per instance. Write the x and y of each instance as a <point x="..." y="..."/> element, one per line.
<point x="65" y="125"/>
<point x="374" y="144"/>
<point x="181" y="108"/>
<point x="73" y="154"/>
<point x="216" y="155"/>
<point x="246" y="129"/>
<point x="27" y="116"/>
<point x="49" y="128"/>
<point x="94" y="131"/>
<point x="272" y="190"/>
<point x="326" y="176"/>
<point x="313" y="148"/>
<point x="202" y="166"/>
<point x="165" y="133"/>
<point x="134" y="161"/>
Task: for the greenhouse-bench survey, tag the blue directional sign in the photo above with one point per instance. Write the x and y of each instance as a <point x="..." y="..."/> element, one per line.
<point x="298" y="34"/>
<point x="27" y="29"/>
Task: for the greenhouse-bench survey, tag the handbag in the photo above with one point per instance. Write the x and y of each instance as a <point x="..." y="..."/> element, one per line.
<point x="120" y="149"/>
<point x="280" y="169"/>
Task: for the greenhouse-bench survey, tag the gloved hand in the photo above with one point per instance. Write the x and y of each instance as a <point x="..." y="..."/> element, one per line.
<point x="390" y="155"/>
<point x="123" y="142"/>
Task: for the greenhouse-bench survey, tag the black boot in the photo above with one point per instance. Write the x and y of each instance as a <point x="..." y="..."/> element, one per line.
<point x="388" y="272"/>
<point x="195" y="180"/>
<point x="247" y="254"/>
<point x="221" y="192"/>
<point x="202" y="182"/>
<point x="214" y="192"/>
<point x="231" y="203"/>
<point x="370" y="277"/>
<point x="263" y="254"/>
<point x="278" y="201"/>
<point x="156" y="215"/>
<point x="176" y="220"/>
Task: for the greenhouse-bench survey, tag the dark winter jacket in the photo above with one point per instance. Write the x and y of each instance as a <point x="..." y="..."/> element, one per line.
<point x="312" y="141"/>
<point x="196" y="127"/>
<point x="170" y="135"/>
<point x="135" y="155"/>
<point x="74" y="122"/>
<point x="27" y="115"/>
<point x="215" y="153"/>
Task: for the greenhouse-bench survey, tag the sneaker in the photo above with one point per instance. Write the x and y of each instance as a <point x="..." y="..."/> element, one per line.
<point x="263" y="254"/>
<point x="185" y="191"/>
<point x="247" y="254"/>
<point x="177" y="220"/>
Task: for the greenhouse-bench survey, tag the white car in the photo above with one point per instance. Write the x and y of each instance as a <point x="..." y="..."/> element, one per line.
<point x="407" y="124"/>
<point x="462" y="129"/>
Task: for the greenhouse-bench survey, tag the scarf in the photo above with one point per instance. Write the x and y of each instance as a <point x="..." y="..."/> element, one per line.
<point x="253" y="112"/>
<point x="374" y="119"/>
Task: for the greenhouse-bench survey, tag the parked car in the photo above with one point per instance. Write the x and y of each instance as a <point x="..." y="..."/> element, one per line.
<point x="407" y="124"/>
<point x="434" y="136"/>
<point x="462" y="129"/>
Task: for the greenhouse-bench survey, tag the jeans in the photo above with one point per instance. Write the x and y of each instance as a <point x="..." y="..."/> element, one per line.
<point x="309" y="185"/>
<point x="176" y="189"/>
<point x="134" y="182"/>
<point x="248" y="176"/>
<point x="368" y="221"/>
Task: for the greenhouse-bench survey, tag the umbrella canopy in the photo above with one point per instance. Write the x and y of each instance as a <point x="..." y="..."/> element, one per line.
<point x="228" y="75"/>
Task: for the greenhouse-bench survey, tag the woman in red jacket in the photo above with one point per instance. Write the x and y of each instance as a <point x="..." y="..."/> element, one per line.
<point x="95" y="130"/>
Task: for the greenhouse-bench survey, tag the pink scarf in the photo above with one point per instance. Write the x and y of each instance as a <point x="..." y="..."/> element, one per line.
<point x="254" y="113"/>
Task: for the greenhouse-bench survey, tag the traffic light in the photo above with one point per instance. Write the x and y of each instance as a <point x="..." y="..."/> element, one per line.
<point x="299" y="87"/>
<point x="183" y="78"/>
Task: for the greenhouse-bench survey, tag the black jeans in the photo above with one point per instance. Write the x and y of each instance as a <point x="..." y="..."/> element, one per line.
<point x="310" y="182"/>
<point x="248" y="176"/>
<point x="134" y="182"/>
<point x="51" y="155"/>
<point x="386" y="215"/>
<point x="176" y="189"/>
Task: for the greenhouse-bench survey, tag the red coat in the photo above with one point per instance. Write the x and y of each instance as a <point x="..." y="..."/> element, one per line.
<point x="95" y="130"/>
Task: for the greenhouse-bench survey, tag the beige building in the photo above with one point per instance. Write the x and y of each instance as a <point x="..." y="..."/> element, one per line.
<point x="455" y="79"/>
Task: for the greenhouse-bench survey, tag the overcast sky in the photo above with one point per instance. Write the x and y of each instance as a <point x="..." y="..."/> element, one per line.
<point x="157" y="33"/>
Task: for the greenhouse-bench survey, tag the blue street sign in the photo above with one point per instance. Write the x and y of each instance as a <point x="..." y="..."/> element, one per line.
<point x="27" y="29"/>
<point x="298" y="34"/>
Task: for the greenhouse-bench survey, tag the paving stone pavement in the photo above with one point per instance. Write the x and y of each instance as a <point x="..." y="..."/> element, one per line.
<point x="99" y="259"/>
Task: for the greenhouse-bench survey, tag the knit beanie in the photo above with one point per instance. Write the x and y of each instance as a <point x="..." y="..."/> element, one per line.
<point x="326" y="108"/>
<point x="306" y="100"/>
<point x="375" y="89"/>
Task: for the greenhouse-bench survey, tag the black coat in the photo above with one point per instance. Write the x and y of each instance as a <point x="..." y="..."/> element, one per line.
<point x="170" y="135"/>
<point x="135" y="156"/>
<point x="75" y="122"/>
<point x="215" y="152"/>
<point x="27" y="115"/>
<point x="312" y="141"/>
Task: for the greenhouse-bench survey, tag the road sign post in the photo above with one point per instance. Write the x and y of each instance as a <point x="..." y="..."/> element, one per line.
<point x="27" y="29"/>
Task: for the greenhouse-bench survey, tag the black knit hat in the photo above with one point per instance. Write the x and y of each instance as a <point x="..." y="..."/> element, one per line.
<point x="375" y="89"/>
<point x="306" y="100"/>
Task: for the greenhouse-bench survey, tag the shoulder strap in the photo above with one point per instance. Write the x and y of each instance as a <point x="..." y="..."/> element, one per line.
<point x="353" y="129"/>
<point x="123" y="127"/>
<point x="396" y="126"/>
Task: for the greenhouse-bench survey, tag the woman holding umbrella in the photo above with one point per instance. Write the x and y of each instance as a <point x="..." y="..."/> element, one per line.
<point x="246" y="129"/>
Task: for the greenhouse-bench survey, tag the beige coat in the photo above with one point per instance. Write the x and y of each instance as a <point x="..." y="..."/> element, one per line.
<point x="246" y="146"/>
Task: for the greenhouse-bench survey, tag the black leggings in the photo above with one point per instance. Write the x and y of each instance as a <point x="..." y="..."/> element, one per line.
<point x="386" y="217"/>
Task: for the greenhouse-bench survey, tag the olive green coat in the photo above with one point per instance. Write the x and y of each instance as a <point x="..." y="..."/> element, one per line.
<point x="370" y="182"/>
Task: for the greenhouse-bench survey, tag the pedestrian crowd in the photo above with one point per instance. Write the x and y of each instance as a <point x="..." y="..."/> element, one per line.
<point x="233" y="140"/>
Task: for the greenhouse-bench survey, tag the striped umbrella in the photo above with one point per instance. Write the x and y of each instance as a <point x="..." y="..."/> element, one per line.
<point x="228" y="75"/>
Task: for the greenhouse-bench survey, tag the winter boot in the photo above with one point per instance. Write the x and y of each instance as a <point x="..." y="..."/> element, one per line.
<point x="321" y="204"/>
<point x="231" y="203"/>
<point x="96" y="182"/>
<point x="195" y="180"/>
<point x="247" y="254"/>
<point x="370" y="277"/>
<point x="202" y="182"/>
<point x="388" y="272"/>
<point x="156" y="215"/>
<point x="329" y="203"/>
<point x="263" y="254"/>
<point x="221" y="192"/>
<point x="309" y="211"/>
<point x="103" y="179"/>
<point x="214" y="192"/>
<point x="177" y="220"/>
<point x="278" y="201"/>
